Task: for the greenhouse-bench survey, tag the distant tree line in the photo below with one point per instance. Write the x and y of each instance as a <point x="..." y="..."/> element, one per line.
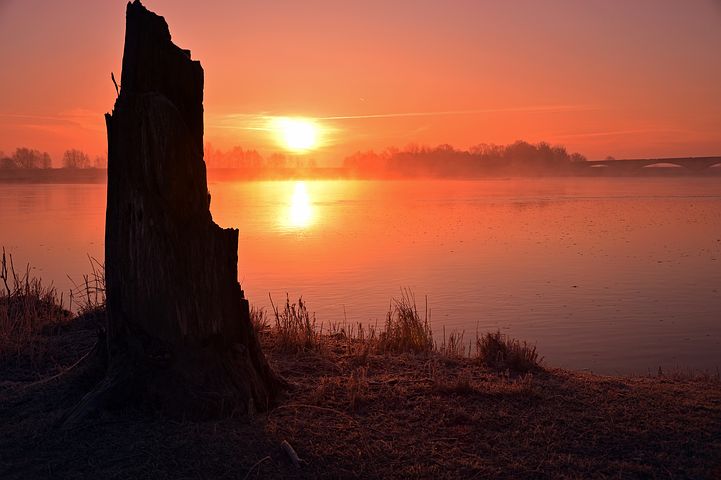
<point x="237" y="157"/>
<point x="27" y="158"/>
<point x="446" y="161"/>
<point x="441" y="161"/>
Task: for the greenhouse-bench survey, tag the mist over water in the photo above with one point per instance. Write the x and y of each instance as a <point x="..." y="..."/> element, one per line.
<point x="613" y="275"/>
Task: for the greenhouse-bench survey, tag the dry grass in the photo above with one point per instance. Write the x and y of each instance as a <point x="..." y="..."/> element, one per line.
<point x="88" y="295"/>
<point x="499" y="352"/>
<point x="418" y="416"/>
<point x="460" y="383"/>
<point x="295" y="327"/>
<point x="678" y="373"/>
<point x="259" y="320"/>
<point x="27" y="307"/>
<point x="404" y="329"/>
<point x="359" y="340"/>
<point x="452" y="346"/>
<point x="357" y="387"/>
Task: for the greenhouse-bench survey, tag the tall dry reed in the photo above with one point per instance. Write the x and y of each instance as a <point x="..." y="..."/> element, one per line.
<point x="295" y="327"/>
<point x="26" y="307"/>
<point x="405" y="330"/>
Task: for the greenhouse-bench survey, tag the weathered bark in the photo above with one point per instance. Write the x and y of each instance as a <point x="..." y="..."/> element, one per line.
<point x="179" y="333"/>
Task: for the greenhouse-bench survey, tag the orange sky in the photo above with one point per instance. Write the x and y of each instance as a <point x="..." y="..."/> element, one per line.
<point x="623" y="78"/>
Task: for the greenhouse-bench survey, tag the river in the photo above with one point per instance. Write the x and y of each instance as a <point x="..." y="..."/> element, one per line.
<point x="614" y="275"/>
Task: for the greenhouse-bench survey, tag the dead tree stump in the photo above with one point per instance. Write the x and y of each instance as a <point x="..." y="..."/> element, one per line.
<point x="179" y="333"/>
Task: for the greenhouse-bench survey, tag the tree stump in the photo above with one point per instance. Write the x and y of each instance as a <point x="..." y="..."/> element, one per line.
<point x="179" y="333"/>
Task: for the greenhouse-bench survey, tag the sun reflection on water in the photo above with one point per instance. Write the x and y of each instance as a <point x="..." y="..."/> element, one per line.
<point x="300" y="212"/>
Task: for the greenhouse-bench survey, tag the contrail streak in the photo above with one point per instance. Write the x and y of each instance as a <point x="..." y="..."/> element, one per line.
<point x="543" y="108"/>
<point x="611" y="133"/>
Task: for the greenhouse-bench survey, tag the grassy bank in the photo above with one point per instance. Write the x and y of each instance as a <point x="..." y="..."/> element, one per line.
<point x="384" y="402"/>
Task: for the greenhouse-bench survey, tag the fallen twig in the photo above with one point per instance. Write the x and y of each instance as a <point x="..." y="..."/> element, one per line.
<point x="256" y="464"/>
<point x="63" y="371"/>
<point x="291" y="453"/>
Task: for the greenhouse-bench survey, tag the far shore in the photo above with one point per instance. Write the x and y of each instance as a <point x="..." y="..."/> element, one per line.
<point x="99" y="175"/>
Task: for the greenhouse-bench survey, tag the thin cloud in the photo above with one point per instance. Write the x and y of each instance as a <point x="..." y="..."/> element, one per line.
<point x="615" y="133"/>
<point x="244" y="121"/>
<point x="539" y="108"/>
<point x="78" y="117"/>
<point x="36" y="117"/>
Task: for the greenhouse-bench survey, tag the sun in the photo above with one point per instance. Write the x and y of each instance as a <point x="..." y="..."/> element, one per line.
<point x="296" y="134"/>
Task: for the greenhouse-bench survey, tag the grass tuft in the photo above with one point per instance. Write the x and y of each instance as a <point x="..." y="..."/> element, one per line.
<point x="452" y="346"/>
<point x="499" y="352"/>
<point x="295" y="327"/>
<point x="27" y="308"/>
<point x="259" y="320"/>
<point x="89" y="294"/>
<point x="405" y="331"/>
<point x="460" y="384"/>
<point x="357" y="387"/>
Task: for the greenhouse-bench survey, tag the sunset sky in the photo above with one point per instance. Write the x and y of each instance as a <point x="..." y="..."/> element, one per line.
<point x="628" y="79"/>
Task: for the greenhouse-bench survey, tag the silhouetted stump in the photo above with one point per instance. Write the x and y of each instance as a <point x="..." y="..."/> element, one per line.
<point x="179" y="333"/>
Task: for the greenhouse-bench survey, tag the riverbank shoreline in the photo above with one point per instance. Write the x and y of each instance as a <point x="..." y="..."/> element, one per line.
<point x="353" y="413"/>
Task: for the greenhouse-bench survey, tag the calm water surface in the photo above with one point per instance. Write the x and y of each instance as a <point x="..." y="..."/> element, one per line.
<point x="612" y="275"/>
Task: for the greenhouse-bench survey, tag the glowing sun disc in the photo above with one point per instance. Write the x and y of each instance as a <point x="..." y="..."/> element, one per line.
<point x="295" y="133"/>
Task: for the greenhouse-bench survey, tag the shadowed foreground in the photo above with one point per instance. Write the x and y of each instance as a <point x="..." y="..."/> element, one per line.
<point x="356" y="414"/>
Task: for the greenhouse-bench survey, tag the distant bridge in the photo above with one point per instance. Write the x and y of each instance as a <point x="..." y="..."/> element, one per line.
<point x="694" y="164"/>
